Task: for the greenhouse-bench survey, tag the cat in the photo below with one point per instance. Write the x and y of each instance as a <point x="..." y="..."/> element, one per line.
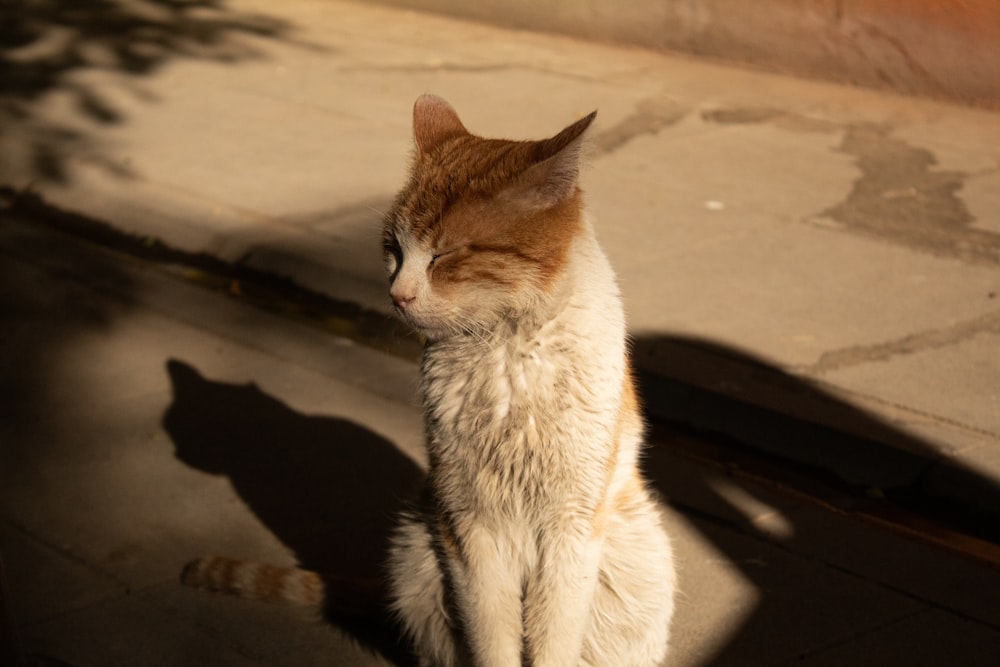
<point x="536" y="540"/>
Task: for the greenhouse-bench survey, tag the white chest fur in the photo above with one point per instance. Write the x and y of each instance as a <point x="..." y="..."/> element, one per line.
<point x="530" y="412"/>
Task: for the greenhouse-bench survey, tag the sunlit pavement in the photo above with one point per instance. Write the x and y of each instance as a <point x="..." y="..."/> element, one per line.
<point x="824" y="254"/>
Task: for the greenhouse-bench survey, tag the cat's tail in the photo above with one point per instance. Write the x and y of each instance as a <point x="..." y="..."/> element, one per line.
<point x="255" y="581"/>
<point x="271" y="583"/>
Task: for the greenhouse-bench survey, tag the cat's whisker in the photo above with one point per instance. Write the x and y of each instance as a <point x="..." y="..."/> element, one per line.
<point x="485" y="335"/>
<point x="472" y="330"/>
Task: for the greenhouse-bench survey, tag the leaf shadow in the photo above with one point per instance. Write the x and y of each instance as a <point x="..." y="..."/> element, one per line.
<point x="45" y="46"/>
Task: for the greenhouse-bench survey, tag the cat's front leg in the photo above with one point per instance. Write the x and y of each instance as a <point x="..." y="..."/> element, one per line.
<point x="488" y="591"/>
<point x="558" y="601"/>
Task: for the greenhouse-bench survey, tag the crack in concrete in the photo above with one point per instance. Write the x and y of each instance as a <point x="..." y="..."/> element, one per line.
<point x="901" y="199"/>
<point x="917" y="342"/>
<point x="785" y="120"/>
<point x="438" y="66"/>
<point x="907" y="412"/>
<point x="650" y="116"/>
<point x="429" y="66"/>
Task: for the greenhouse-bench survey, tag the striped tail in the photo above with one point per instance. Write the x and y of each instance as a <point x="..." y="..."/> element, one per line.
<point x="255" y="581"/>
<point x="270" y="583"/>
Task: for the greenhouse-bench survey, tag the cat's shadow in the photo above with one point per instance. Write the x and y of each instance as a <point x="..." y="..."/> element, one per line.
<point x="327" y="487"/>
<point x="330" y="489"/>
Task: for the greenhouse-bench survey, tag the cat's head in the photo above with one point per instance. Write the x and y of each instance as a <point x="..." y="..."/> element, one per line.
<point x="480" y="233"/>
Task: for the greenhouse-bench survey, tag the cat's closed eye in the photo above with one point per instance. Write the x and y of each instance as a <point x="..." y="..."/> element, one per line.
<point x="443" y="253"/>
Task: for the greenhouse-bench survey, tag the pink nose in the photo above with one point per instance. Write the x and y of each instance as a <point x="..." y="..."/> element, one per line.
<point x="401" y="300"/>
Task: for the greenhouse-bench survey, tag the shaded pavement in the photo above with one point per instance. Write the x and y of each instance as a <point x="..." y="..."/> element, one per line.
<point x="810" y="271"/>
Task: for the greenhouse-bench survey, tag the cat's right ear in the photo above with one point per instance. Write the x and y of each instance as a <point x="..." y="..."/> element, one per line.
<point x="434" y="122"/>
<point x="553" y="176"/>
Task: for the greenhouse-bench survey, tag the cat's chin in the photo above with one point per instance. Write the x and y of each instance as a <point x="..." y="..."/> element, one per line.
<point x="431" y="329"/>
<point x="440" y="331"/>
<point x="436" y="327"/>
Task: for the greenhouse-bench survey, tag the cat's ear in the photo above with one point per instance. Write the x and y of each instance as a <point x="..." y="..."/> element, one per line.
<point x="434" y="122"/>
<point x="182" y="373"/>
<point x="556" y="167"/>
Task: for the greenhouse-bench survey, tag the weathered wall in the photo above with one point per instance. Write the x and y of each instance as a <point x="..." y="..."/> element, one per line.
<point x="940" y="48"/>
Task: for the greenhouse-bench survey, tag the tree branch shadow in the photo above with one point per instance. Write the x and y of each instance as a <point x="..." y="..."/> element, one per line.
<point x="46" y="44"/>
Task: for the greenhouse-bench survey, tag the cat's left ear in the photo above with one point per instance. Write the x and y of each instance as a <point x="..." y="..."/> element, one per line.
<point x="434" y="122"/>
<point x="553" y="175"/>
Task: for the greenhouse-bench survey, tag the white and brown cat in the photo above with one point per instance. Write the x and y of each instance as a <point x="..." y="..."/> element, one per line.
<point x="536" y="541"/>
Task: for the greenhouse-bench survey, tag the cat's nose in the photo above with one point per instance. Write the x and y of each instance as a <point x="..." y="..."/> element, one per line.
<point x="402" y="299"/>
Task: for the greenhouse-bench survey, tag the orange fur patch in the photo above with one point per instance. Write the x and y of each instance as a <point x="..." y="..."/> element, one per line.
<point x="628" y="418"/>
<point x="254" y="580"/>
<point x="490" y="210"/>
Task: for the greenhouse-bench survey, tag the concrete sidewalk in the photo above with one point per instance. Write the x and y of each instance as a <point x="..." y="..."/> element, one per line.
<point x="825" y="257"/>
<point x="148" y="420"/>
<point x="810" y="271"/>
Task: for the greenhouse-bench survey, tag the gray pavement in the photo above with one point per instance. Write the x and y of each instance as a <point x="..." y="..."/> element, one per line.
<point x="150" y="420"/>
<point x="823" y="253"/>
<point x="812" y="270"/>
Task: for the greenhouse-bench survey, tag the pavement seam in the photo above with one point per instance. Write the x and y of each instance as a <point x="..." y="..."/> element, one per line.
<point x="64" y="552"/>
<point x="925" y="602"/>
<point x="908" y="410"/>
<point x="878" y="628"/>
<point x="436" y="67"/>
<point x="930" y="339"/>
<point x="849" y="639"/>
